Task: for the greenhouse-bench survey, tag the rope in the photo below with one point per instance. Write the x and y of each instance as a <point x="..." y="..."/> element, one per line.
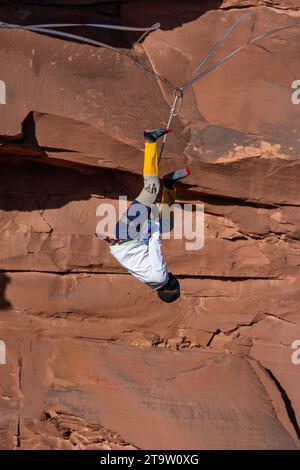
<point x="196" y="75"/>
<point x="190" y="82"/>
<point x="202" y="74"/>
<point x="48" y="30"/>
<point x="222" y="39"/>
<point x="175" y="110"/>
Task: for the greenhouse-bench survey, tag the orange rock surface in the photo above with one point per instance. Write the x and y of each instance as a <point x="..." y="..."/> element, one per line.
<point x="94" y="360"/>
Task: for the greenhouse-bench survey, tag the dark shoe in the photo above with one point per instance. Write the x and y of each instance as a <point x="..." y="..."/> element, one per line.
<point x="152" y="136"/>
<point x="171" y="178"/>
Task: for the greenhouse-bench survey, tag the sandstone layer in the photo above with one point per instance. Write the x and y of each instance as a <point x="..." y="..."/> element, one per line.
<point x="93" y="359"/>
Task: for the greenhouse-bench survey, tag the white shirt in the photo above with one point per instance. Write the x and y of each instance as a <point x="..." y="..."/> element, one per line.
<point x="143" y="259"/>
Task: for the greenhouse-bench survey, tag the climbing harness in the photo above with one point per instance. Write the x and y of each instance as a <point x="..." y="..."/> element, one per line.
<point x="178" y="92"/>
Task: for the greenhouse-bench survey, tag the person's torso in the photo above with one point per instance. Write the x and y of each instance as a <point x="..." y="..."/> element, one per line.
<point x="134" y="256"/>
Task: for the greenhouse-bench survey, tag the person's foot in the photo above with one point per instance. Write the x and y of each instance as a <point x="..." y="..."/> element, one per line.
<point x="153" y="135"/>
<point x="171" y="178"/>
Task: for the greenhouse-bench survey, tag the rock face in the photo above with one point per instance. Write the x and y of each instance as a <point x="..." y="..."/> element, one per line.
<point x="93" y="359"/>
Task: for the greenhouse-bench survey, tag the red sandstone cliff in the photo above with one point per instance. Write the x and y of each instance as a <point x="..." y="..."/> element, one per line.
<point x="94" y="359"/>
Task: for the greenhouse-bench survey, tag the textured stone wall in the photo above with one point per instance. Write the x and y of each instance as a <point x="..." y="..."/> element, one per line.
<point x="93" y="358"/>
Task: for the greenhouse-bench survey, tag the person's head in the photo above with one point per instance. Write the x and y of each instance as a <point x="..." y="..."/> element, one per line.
<point x="170" y="291"/>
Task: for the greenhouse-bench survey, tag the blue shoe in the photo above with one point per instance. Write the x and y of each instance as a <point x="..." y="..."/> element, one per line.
<point x="170" y="178"/>
<point x="152" y="136"/>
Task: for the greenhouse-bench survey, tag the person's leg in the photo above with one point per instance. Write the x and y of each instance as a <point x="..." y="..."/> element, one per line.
<point x="128" y="226"/>
<point x="166" y="209"/>
<point x="149" y="193"/>
<point x="169" y="197"/>
<point x="141" y="206"/>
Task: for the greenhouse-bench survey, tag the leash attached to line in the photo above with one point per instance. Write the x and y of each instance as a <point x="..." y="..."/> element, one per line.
<point x="48" y="29"/>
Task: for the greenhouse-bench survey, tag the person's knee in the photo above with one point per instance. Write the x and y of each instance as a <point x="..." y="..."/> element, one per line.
<point x="152" y="185"/>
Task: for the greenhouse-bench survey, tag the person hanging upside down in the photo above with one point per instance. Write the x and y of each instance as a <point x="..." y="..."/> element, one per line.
<point x="137" y="245"/>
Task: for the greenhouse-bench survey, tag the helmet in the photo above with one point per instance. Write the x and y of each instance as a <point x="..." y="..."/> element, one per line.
<point x="170" y="291"/>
